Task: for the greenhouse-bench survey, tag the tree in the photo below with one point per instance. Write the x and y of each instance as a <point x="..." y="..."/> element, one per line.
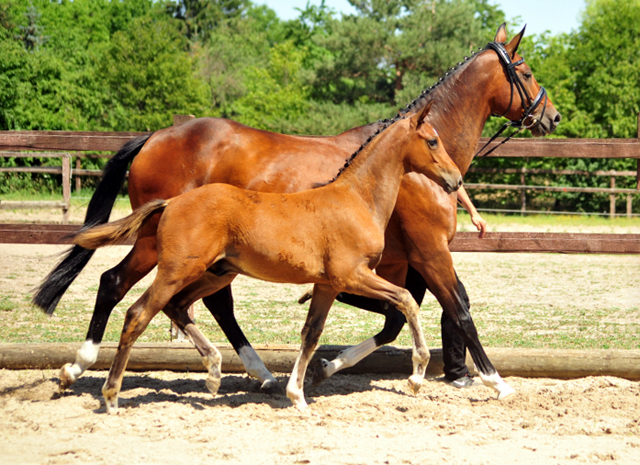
<point x="201" y="17"/>
<point x="150" y="77"/>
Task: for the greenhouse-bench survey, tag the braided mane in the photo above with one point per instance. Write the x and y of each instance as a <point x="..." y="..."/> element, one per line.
<point x="385" y="123"/>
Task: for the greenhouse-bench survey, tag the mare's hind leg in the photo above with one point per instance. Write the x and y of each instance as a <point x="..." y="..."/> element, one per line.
<point x="114" y="284"/>
<point x="323" y="297"/>
<point x="366" y="283"/>
<point x="220" y="304"/>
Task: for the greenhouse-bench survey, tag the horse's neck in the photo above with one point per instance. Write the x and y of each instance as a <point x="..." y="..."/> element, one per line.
<point x="461" y="106"/>
<point x="360" y="134"/>
<point x="375" y="174"/>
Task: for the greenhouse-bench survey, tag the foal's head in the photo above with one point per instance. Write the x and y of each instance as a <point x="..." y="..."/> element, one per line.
<point x="426" y="153"/>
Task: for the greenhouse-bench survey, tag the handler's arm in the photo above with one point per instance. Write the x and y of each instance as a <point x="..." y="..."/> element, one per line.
<point x="478" y="221"/>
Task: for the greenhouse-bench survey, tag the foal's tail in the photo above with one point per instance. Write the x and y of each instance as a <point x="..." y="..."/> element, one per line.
<point x="49" y="293"/>
<point x="117" y="232"/>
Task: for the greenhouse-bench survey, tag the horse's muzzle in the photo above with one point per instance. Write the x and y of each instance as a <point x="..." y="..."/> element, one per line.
<point x="452" y="185"/>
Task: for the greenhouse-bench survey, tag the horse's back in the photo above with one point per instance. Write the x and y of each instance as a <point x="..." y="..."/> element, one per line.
<point x="217" y="150"/>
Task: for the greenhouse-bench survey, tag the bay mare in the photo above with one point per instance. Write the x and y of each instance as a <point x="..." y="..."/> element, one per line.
<point x="207" y="150"/>
<point x="332" y="236"/>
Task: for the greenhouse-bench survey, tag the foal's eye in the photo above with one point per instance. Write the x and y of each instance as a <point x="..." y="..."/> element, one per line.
<point x="433" y="143"/>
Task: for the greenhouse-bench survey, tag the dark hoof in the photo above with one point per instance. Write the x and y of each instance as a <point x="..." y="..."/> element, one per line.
<point x="318" y="372"/>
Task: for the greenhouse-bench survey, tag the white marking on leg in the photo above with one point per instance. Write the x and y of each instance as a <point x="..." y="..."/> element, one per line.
<point x="494" y="381"/>
<point x="213" y="362"/>
<point x="294" y="393"/>
<point x="86" y="356"/>
<point x="254" y="366"/>
<point x="349" y="357"/>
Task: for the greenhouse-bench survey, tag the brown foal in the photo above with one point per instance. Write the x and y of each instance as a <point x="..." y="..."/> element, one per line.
<point x="331" y="236"/>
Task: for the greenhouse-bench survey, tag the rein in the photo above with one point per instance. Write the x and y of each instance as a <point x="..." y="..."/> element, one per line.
<point x="529" y="105"/>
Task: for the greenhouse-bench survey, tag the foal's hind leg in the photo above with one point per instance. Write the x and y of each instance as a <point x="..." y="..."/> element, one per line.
<point x="220" y="304"/>
<point x="114" y="285"/>
<point x="138" y="317"/>
<point x="323" y="297"/>
<point x="177" y="310"/>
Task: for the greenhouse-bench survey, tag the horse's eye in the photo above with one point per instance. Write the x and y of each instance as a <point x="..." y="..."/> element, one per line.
<point x="527" y="75"/>
<point x="433" y="143"/>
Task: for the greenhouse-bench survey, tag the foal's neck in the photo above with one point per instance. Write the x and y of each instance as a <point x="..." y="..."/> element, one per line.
<point x="375" y="173"/>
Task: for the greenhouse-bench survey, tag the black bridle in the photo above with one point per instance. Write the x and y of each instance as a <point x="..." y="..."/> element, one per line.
<point x="529" y="105"/>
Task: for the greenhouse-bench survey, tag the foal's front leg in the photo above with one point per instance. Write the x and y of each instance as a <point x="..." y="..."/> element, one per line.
<point x="368" y="284"/>
<point x="323" y="297"/>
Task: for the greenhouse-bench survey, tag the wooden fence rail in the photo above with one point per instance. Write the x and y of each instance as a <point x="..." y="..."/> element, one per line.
<point x="507" y="242"/>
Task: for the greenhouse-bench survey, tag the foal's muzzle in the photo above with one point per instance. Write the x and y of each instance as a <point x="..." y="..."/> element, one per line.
<point x="452" y="185"/>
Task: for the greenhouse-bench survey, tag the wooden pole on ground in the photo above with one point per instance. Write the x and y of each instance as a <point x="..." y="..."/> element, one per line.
<point x="526" y="363"/>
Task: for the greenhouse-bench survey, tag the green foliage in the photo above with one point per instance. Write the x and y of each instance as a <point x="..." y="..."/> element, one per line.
<point x="274" y="92"/>
<point x="145" y="98"/>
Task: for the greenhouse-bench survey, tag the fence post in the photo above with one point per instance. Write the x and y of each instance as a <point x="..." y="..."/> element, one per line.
<point x="78" y="180"/>
<point x="523" y="193"/>
<point x="638" y="160"/>
<point x="66" y="187"/>
<point x="175" y="332"/>
<point x="612" y="199"/>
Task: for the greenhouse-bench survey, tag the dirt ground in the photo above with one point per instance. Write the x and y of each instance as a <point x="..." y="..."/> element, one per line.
<point x="352" y="419"/>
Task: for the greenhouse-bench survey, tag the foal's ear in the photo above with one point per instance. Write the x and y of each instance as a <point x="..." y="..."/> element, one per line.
<point x="512" y="46"/>
<point x="501" y="35"/>
<point x="418" y="118"/>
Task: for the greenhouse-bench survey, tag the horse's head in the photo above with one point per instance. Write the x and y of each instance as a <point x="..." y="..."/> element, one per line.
<point x="517" y="94"/>
<point x="426" y="153"/>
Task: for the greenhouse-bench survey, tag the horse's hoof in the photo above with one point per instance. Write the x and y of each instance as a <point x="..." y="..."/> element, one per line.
<point x="111" y="404"/>
<point x="319" y="372"/>
<point x="505" y="391"/>
<point x="415" y="383"/>
<point x="271" y="386"/>
<point x="297" y="398"/>
<point x="66" y="378"/>
<point x="213" y="384"/>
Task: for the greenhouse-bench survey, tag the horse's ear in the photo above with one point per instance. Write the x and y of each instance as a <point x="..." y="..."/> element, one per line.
<point x="418" y="118"/>
<point x="501" y="35"/>
<point x="512" y="46"/>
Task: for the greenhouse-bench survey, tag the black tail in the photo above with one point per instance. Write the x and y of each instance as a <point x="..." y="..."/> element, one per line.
<point x="49" y="293"/>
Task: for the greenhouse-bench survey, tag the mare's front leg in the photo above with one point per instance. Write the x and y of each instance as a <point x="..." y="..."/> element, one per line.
<point x="220" y="304"/>
<point x="443" y="282"/>
<point x="323" y="297"/>
<point x="114" y="285"/>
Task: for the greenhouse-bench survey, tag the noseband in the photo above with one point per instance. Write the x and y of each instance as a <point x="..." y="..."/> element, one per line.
<point x="529" y="105"/>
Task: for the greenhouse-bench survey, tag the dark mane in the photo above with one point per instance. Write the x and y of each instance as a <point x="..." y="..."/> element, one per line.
<point x="410" y="107"/>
